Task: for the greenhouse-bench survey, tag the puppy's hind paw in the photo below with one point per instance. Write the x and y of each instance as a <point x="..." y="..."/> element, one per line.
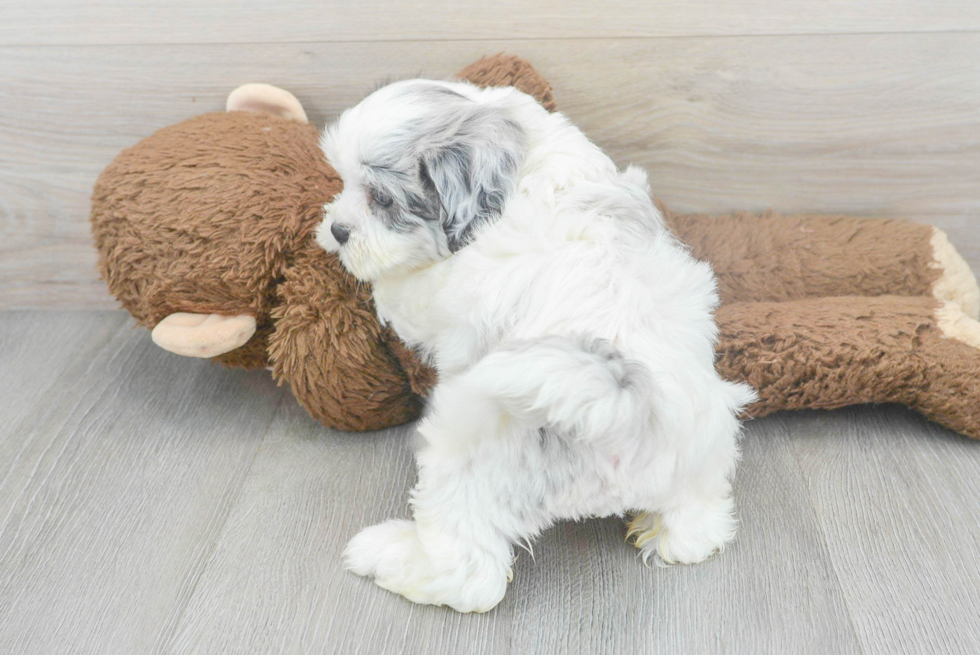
<point x="686" y="536"/>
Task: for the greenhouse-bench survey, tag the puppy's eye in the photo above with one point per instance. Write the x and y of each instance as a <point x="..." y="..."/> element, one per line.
<point x="381" y="198"/>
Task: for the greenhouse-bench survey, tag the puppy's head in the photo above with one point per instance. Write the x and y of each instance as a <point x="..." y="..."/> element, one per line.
<point x="425" y="164"/>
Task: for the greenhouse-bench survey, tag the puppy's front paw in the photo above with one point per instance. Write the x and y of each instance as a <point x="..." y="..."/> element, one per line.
<point x="382" y="551"/>
<point x="392" y="554"/>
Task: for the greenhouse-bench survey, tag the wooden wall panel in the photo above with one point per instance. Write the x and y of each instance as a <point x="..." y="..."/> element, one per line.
<point x="883" y="126"/>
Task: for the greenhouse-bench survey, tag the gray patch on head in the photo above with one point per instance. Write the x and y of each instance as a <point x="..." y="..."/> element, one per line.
<point x="449" y="170"/>
<point x="474" y="168"/>
<point x="436" y="90"/>
<point x="427" y="203"/>
<point x="395" y="186"/>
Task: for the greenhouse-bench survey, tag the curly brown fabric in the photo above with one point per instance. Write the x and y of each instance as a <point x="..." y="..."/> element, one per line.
<point x="203" y="217"/>
<point x="825" y="353"/>
<point x="505" y="70"/>
<point x="216" y="215"/>
<point x="771" y="257"/>
<point x="330" y="348"/>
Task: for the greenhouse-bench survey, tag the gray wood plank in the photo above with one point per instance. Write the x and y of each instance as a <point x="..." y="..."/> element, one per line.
<point x="262" y="21"/>
<point x="883" y="126"/>
<point x="115" y="486"/>
<point x="772" y="591"/>
<point x="898" y="500"/>
<point x="37" y="347"/>
<point x="309" y="491"/>
<point x="275" y="583"/>
<point x="147" y="505"/>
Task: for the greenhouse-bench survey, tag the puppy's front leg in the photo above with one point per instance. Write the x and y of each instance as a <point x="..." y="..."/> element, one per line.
<point x="457" y="551"/>
<point x="450" y="555"/>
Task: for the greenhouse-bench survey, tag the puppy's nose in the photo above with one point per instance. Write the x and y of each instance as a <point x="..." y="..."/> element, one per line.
<point x="340" y="233"/>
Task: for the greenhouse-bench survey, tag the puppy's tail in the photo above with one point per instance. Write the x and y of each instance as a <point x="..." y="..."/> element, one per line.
<point x="579" y="385"/>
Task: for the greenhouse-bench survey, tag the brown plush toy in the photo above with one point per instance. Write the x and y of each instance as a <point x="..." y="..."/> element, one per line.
<point x="204" y="231"/>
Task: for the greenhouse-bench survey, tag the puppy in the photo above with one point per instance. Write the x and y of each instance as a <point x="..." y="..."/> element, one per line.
<point x="572" y="333"/>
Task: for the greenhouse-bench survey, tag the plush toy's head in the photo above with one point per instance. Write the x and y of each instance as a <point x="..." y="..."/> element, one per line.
<point x="204" y="232"/>
<point x="205" y="217"/>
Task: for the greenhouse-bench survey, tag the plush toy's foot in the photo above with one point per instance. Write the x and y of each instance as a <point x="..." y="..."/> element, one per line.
<point x="825" y="353"/>
<point x="951" y="395"/>
<point x="956" y="282"/>
<point x="393" y="554"/>
<point x="955" y="324"/>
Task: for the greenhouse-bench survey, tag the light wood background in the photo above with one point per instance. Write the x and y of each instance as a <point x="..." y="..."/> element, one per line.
<point x="869" y="107"/>
<point x="154" y="504"/>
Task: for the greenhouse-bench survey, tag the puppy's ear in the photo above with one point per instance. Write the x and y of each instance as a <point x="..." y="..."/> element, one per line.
<point x="473" y="167"/>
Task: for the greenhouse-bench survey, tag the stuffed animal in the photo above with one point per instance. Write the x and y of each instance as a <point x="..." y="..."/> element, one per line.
<point x="204" y="231"/>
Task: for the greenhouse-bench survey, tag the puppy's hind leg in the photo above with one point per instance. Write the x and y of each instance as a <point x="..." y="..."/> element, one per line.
<point x="697" y="517"/>
<point x="687" y="533"/>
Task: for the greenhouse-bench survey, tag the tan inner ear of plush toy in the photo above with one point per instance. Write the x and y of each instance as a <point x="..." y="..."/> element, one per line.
<point x="268" y="99"/>
<point x="203" y="335"/>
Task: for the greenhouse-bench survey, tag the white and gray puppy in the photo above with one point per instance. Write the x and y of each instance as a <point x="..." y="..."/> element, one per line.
<point x="573" y="337"/>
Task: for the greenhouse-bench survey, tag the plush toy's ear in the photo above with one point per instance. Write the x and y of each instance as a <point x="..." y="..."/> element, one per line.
<point x="265" y="98"/>
<point x="203" y="335"/>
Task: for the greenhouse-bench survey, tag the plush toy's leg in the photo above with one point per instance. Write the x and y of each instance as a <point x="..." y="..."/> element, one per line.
<point x="825" y="353"/>
<point x="768" y="257"/>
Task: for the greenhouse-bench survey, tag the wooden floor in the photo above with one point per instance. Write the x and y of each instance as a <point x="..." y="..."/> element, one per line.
<point x="156" y="504"/>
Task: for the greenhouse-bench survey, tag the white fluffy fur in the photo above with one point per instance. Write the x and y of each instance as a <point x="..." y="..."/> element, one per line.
<point x="574" y="341"/>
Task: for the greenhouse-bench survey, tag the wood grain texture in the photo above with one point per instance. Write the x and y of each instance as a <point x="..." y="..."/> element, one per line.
<point x="55" y="22"/>
<point x="882" y="126"/>
<point x="116" y="483"/>
<point x="898" y="501"/>
<point x="772" y="591"/>
<point x="309" y="491"/>
<point x="35" y="350"/>
<point x="156" y="504"/>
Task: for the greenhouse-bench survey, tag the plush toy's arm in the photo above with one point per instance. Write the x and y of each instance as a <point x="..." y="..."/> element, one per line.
<point x="329" y="346"/>
<point x="422" y="378"/>
<point x="825" y="353"/>
<point x="768" y="257"/>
